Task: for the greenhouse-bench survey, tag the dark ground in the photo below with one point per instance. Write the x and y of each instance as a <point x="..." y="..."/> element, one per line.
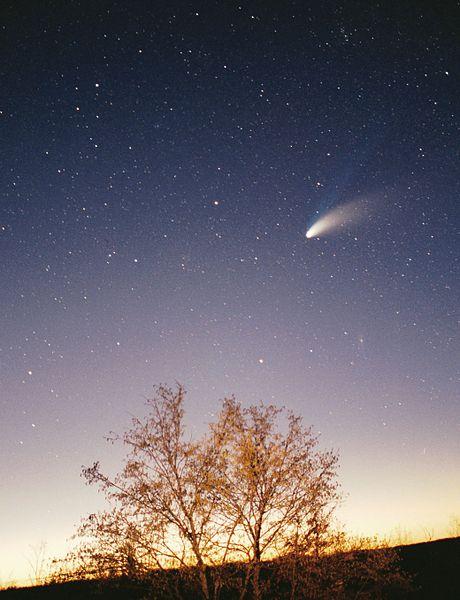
<point x="434" y="566"/>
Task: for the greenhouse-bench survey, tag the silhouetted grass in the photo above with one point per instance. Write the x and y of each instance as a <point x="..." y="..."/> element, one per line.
<point x="434" y="567"/>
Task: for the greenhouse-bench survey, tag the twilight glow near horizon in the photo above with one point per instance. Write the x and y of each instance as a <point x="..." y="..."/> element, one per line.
<point x="164" y="170"/>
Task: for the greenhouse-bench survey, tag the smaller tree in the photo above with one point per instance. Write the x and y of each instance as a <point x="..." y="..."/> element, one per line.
<point x="274" y="486"/>
<point x="38" y="562"/>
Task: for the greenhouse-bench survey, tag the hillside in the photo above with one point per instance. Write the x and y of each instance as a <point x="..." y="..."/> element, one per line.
<point x="434" y="566"/>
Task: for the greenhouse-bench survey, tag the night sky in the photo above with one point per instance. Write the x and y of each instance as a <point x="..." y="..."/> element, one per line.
<point x="160" y="167"/>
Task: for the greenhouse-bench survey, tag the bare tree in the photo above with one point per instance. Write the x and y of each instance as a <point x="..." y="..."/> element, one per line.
<point x="38" y="563"/>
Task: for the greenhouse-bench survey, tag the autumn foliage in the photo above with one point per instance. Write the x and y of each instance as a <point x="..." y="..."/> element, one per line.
<point x="245" y="511"/>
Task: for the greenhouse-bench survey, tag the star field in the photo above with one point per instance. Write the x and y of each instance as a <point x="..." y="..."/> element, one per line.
<point x="160" y="169"/>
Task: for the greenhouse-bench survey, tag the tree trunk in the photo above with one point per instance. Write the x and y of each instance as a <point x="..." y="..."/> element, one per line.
<point x="256" y="573"/>
<point x="294" y="578"/>
<point x="246" y="581"/>
<point x="256" y="581"/>
<point x="204" y="581"/>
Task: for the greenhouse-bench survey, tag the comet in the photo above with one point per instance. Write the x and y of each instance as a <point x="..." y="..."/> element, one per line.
<point x="336" y="219"/>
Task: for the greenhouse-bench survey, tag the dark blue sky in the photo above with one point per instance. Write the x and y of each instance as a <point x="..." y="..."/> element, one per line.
<point x="160" y="169"/>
